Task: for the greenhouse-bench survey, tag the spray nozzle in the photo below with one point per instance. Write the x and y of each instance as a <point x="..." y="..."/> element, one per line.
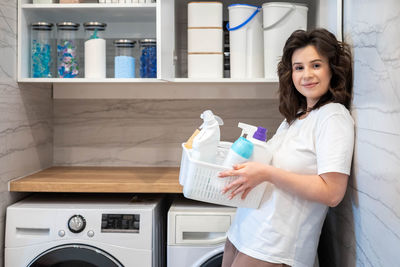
<point x="208" y="118"/>
<point x="250" y="131"/>
<point x="247" y="129"/>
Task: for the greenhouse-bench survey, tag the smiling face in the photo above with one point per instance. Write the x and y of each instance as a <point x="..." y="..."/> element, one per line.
<point x="311" y="74"/>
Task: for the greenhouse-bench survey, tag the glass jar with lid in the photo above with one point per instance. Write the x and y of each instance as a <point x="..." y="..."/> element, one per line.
<point x="124" y="61"/>
<point x="95" y="49"/>
<point x="148" y="58"/>
<point x="67" y="50"/>
<point x="41" y="50"/>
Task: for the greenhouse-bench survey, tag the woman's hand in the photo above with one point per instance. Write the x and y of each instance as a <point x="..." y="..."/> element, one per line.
<point x="250" y="175"/>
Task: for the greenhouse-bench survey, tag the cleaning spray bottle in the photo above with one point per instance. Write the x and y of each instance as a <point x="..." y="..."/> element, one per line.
<point x="258" y="136"/>
<point x="205" y="143"/>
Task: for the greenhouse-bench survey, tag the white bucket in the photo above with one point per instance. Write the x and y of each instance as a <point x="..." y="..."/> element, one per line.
<point x="246" y="42"/>
<point x="280" y="20"/>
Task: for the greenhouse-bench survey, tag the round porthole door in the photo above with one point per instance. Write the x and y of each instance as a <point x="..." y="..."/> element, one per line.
<point x="76" y="255"/>
<point x="214" y="261"/>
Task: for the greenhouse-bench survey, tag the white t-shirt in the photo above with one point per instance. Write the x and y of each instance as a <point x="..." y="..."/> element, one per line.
<point x="286" y="228"/>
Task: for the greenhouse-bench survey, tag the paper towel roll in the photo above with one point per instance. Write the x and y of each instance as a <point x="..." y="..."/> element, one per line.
<point x="95" y="58"/>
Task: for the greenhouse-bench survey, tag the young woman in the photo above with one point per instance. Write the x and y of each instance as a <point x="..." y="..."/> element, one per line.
<point x="312" y="153"/>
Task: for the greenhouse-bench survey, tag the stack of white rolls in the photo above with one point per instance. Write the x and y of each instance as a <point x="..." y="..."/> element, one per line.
<point x="205" y="40"/>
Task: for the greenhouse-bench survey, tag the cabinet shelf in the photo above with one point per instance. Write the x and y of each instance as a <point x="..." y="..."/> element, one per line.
<point x="89" y="80"/>
<point x="145" y="80"/>
<point x="157" y="20"/>
<point x="88" y="12"/>
<point x="223" y="80"/>
<point x="131" y="21"/>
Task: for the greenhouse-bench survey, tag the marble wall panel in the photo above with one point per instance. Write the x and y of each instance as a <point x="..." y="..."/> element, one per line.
<point x="144" y="132"/>
<point x="364" y="230"/>
<point x="26" y="142"/>
<point x="376" y="44"/>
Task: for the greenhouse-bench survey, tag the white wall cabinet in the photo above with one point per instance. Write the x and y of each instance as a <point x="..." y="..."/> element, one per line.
<point x="165" y="20"/>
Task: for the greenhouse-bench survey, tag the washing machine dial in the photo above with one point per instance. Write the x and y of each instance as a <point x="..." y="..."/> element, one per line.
<point x="76" y="223"/>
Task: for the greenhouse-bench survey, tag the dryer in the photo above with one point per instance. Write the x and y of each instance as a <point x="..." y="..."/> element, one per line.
<point x="196" y="233"/>
<point x="85" y="231"/>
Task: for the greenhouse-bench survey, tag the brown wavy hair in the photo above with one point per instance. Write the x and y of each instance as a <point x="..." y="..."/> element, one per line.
<point x="292" y="104"/>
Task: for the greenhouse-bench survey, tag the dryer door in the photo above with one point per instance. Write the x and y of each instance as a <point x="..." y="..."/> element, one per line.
<point x="75" y="255"/>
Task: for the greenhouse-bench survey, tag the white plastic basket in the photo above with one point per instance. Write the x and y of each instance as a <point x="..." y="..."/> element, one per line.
<point x="201" y="182"/>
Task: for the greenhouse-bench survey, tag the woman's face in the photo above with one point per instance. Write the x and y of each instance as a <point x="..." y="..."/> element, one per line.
<point x="311" y="73"/>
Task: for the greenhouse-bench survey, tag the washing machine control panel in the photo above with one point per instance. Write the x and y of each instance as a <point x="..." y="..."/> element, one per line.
<point x="120" y="223"/>
<point x="76" y="223"/>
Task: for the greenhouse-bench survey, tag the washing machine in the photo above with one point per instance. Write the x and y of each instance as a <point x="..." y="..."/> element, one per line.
<point x="196" y="233"/>
<point x="85" y="231"/>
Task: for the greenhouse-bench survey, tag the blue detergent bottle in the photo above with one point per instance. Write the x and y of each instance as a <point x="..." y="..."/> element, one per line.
<point x="239" y="152"/>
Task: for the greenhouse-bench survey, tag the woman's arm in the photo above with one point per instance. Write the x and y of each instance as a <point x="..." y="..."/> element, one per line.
<point x="327" y="188"/>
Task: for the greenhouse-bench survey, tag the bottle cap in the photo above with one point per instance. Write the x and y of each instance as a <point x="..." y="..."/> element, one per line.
<point x="124" y="43"/>
<point x="243" y="147"/>
<point x="260" y="134"/>
<point x="145" y="42"/>
<point x="42" y="26"/>
<point x="94" y="25"/>
<point x="67" y="26"/>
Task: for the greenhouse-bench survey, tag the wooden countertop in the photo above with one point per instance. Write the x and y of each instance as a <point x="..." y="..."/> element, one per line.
<point x="100" y="180"/>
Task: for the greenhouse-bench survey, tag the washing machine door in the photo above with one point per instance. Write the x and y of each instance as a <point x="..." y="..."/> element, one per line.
<point x="77" y="255"/>
<point x="211" y="259"/>
<point x="214" y="261"/>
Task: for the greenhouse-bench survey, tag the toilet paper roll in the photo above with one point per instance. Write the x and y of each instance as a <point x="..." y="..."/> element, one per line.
<point x="202" y="65"/>
<point x="205" y="40"/>
<point x="205" y="14"/>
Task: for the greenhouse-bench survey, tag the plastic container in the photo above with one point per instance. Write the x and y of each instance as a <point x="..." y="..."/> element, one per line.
<point x="124" y="61"/>
<point x="205" y="14"/>
<point x="148" y="58"/>
<point x="205" y="65"/>
<point x="205" y="40"/>
<point x="280" y="20"/>
<point x="239" y="152"/>
<point x="246" y="41"/>
<point x="201" y="182"/>
<point x="67" y="50"/>
<point x="95" y="50"/>
<point x="204" y="146"/>
<point x="41" y="50"/>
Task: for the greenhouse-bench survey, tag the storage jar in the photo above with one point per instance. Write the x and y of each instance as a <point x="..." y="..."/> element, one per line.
<point x="148" y="58"/>
<point x="67" y="50"/>
<point x="95" y="50"/>
<point x="41" y="51"/>
<point x="124" y="62"/>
